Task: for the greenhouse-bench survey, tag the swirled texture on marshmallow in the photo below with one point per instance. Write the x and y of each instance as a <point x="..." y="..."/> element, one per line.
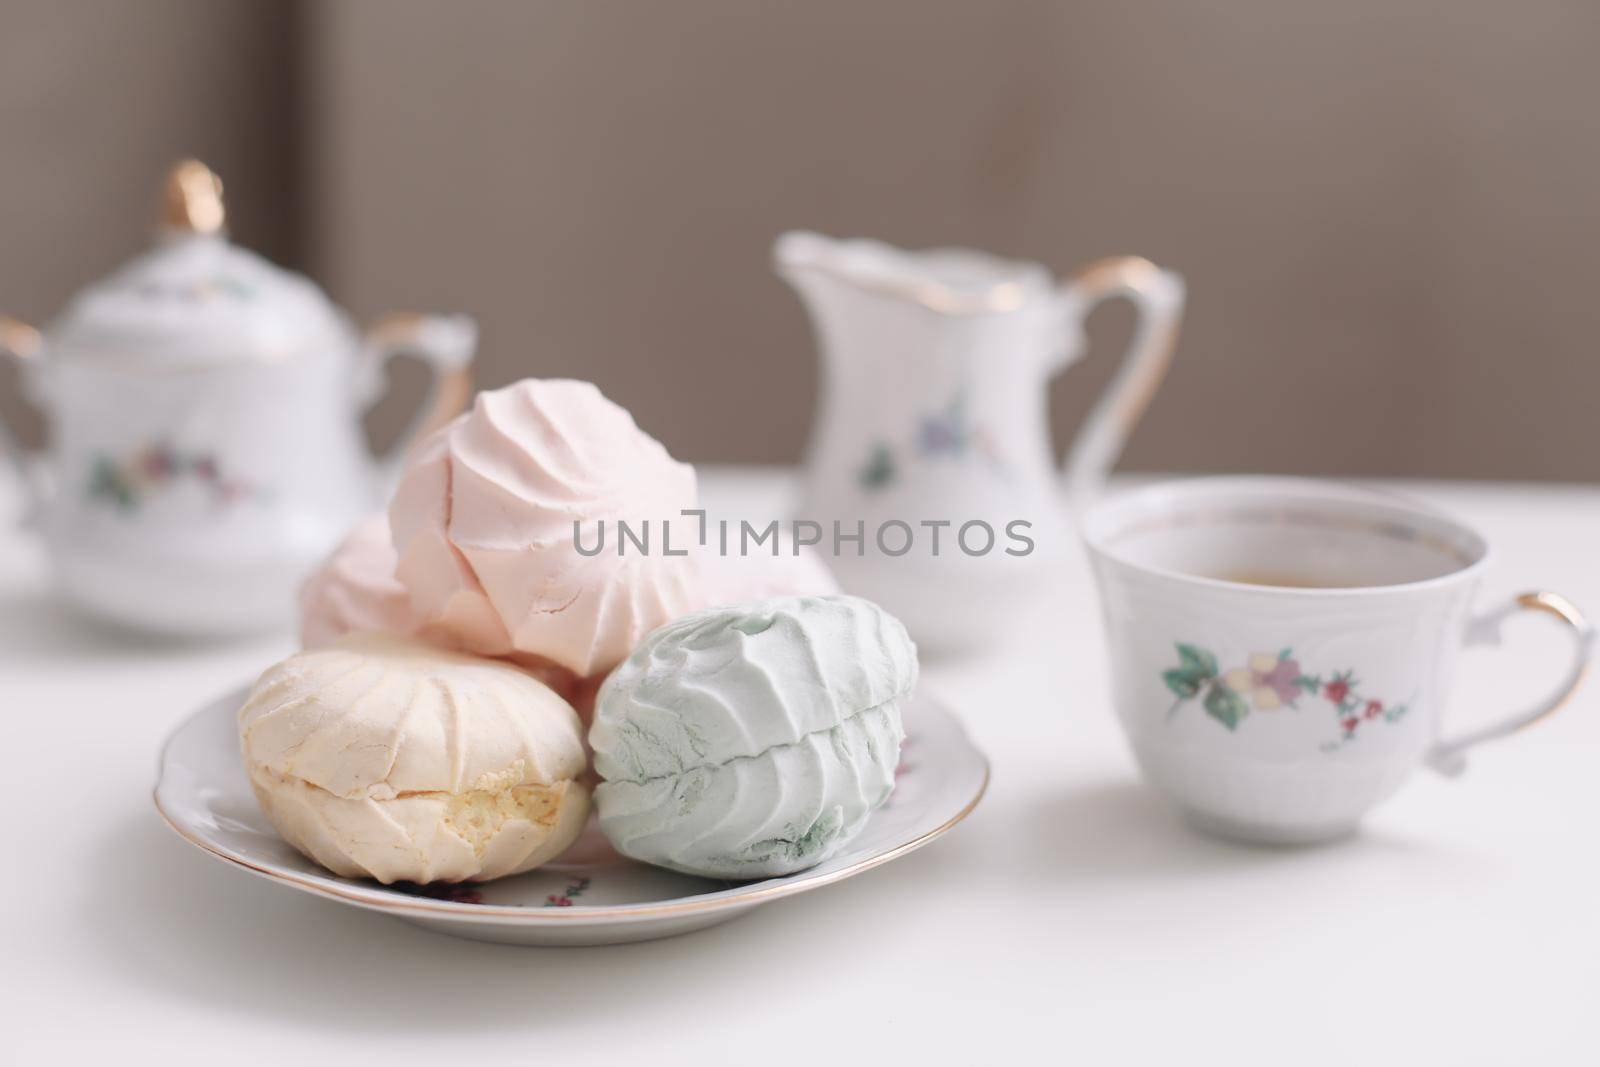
<point x="355" y="589"/>
<point x="381" y="757"/>
<point x="484" y="519"/>
<point x="752" y="740"/>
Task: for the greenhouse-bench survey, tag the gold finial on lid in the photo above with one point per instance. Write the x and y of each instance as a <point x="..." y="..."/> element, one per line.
<point x="18" y="338"/>
<point x="193" y="199"/>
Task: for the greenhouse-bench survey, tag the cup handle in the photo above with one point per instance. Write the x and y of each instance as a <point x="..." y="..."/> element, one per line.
<point x="446" y="344"/>
<point x="1157" y="296"/>
<point x="21" y="343"/>
<point x="1449" y="756"/>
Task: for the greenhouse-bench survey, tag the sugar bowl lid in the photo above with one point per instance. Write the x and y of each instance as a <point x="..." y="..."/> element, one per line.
<point x="195" y="297"/>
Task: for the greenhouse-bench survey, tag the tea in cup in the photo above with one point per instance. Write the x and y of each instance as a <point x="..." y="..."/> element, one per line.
<point x="1282" y="647"/>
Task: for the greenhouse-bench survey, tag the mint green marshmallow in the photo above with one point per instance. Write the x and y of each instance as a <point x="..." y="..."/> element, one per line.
<point x="754" y="740"/>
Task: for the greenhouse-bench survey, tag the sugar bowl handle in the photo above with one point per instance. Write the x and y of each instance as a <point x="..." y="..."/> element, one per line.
<point x="1157" y="295"/>
<point x="445" y="343"/>
<point x="1449" y="756"/>
<point x="21" y="344"/>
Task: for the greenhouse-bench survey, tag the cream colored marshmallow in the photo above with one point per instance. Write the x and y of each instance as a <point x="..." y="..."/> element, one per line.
<point x="379" y="756"/>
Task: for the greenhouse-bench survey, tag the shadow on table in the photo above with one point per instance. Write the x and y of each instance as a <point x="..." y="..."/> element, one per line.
<point x="230" y="943"/>
<point x="1126" y="831"/>
<point x="38" y="625"/>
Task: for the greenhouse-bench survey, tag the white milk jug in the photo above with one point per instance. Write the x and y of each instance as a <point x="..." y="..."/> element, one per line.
<point x="933" y="420"/>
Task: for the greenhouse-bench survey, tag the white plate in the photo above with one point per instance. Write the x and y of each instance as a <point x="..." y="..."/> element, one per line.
<point x="591" y="896"/>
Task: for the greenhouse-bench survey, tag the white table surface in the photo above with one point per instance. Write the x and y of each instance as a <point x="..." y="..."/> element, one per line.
<point x="1071" y="918"/>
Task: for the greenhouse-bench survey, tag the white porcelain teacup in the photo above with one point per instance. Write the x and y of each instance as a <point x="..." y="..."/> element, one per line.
<point x="1282" y="647"/>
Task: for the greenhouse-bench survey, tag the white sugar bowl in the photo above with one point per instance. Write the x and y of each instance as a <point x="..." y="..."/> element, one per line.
<point x="204" y="408"/>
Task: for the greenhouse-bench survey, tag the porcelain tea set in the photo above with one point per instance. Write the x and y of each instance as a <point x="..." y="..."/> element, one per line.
<point x="204" y="425"/>
<point x="1281" y="648"/>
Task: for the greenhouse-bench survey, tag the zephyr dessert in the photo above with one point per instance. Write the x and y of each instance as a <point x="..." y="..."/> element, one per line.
<point x="355" y="589"/>
<point x="753" y="740"/>
<point x="484" y="517"/>
<point x="383" y="757"/>
<point x="747" y="721"/>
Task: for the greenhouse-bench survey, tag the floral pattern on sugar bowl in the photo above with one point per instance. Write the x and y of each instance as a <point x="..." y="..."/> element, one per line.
<point x="124" y="483"/>
<point x="1272" y="682"/>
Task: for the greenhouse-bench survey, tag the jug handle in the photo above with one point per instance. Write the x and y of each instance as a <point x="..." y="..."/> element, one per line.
<point x="1157" y="296"/>
<point x="445" y="343"/>
<point x="21" y="344"/>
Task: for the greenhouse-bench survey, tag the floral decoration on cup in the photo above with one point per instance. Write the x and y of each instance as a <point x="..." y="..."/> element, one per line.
<point x="1270" y="682"/>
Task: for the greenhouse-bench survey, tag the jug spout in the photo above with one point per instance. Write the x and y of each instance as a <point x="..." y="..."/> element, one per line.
<point x="944" y="315"/>
<point x="950" y="281"/>
<point x="805" y="260"/>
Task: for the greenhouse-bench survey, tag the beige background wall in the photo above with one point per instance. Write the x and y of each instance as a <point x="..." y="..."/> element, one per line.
<point x="1387" y="211"/>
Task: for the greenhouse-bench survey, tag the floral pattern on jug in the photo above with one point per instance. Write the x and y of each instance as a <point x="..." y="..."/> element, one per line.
<point x="936" y="371"/>
<point x="1270" y="682"/>
<point x="949" y="433"/>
